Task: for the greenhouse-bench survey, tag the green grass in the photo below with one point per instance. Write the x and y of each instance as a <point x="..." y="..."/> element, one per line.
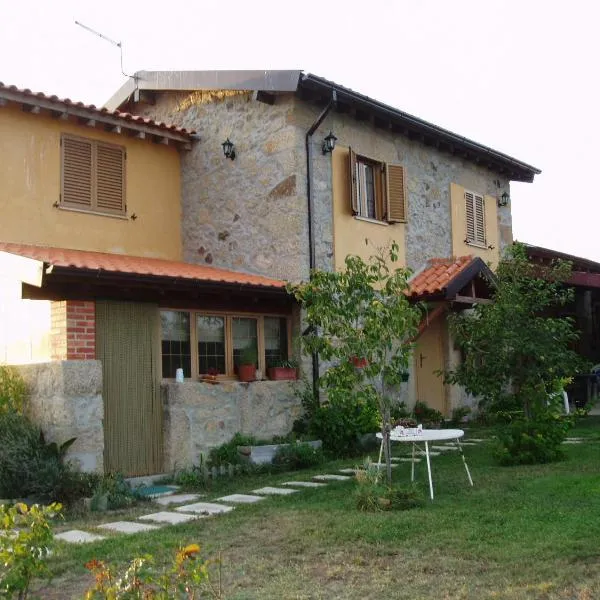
<point x="529" y="532"/>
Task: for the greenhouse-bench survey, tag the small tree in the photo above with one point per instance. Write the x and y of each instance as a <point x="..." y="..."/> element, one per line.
<point x="515" y="350"/>
<point x="362" y="313"/>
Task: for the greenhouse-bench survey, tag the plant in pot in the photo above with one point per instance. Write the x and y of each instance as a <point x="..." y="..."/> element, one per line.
<point x="283" y="369"/>
<point x="247" y="366"/>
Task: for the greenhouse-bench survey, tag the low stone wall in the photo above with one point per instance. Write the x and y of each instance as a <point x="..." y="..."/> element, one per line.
<point x="65" y="400"/>
<point x="199" y="416"/>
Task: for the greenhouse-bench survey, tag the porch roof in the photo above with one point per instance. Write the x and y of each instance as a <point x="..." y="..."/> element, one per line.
<point x="63" y="260"/>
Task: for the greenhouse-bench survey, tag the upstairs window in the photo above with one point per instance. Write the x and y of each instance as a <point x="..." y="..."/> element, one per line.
<point x="377" y="189"/>
<point x="92" y="176"/>
<point x="475" y="212"/>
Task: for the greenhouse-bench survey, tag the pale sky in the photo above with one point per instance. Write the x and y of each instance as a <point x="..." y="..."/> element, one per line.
<point x="520" y="76"/>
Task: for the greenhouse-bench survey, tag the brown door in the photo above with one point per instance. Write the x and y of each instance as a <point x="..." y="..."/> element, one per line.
<point x="429" y="358"/>
<point x="127" y="344"/>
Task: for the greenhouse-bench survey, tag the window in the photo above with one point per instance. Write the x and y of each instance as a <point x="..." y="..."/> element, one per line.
<point x="377" y="189"/>
<point x="92" y="176"/>
<point x="212" y="344"/>
<point x="475" y="213"/>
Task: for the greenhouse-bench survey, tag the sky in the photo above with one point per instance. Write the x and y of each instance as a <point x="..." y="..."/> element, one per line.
<point x="520" y="76"/>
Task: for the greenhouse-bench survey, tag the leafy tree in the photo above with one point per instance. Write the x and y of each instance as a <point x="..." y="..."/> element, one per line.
<point x="516" y="350"/>
<point x="362" y="313"/>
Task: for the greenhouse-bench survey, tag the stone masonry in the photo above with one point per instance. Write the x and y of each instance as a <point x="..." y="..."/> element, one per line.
<point x="73" y="330"/>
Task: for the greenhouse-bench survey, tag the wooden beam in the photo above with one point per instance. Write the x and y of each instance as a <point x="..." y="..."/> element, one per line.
<point x="31" y="108"/>
<point x="140" y="135"/>
<point x="91" y="122"/>
<point x="471" y="300"/>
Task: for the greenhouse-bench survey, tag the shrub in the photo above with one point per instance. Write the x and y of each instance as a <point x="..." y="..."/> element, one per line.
<point x="531" y="442"/>
<point x="113" y="492"/>
<point x="458" y="414"/>
<point x="298" y="456"/>
<point x="25" y="540"/>
<point x="227" y="453"/>
<point x="13" y="391"/>
<point x="424" y="414"/>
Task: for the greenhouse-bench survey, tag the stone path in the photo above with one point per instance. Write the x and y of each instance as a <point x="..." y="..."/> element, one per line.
<point x="189" y="507"/>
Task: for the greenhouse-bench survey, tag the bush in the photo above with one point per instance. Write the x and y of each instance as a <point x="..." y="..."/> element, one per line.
<point x="298" y="456"/>
<point x="426" y="415"/>
<point x="227" y="453"/>
<point x="13" y="391"/>
<point x="458" y="415"/>
<point x="526" y="442"/>
<point x="113" y="492"/>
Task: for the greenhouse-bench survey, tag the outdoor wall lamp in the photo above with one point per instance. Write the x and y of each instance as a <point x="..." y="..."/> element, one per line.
<point x="228" y="149"/>
<point x="329" y="143"/>
<point x="503" y="200"/>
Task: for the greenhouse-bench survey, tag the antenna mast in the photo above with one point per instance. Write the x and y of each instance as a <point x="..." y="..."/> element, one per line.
<point x="119" y="45"/>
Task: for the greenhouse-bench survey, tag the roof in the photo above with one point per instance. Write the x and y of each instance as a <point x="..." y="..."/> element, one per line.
<point x="320" y="89"/>
<point x="546" y="254"/>
<point x="62" y="259"/>
<point x="445" y="277"/>
<point x="118" y="122"/>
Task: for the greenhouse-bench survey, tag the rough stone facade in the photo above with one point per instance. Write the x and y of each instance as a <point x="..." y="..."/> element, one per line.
<point x="65" y="400"/>
<point x="198" y="416"/>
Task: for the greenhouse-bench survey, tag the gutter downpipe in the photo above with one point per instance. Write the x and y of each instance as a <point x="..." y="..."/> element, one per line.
<point x="311" y="234"/>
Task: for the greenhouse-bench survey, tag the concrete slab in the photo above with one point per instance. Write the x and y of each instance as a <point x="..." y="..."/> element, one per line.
<point x="477" y="440"/>
<point x="348" y="471"/>
<point x="469" y="443"/>
<point x="331" y="477"/>
<point x="75" y="536"/>
<point x="127" y="527"/>
<point x="575" y="439"/>
<point x="409" y="460"/>
<point x="445" y="448"/>
<point x="241" y="498"/>
<point x="177" y="499"/>
<point x="572" y="442"/>
<point x="171" y="518"/>
<point x="274" y="491"/>
<point x="205" y="508"/>
<point x="422" y="453"/>
<point x="305" y="484"/>
<point x="382" y="464"/>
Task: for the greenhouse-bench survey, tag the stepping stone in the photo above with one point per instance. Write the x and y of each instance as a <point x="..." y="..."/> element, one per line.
<point x="572" y="442"/>
<point x="477" y="440"/>
<point x="205" y="508"/>
<point x="305" y="484"/>
<point x="423" y="453"/>
<point x="172" y="518"/>
<point x="331" y="477"/>
<point x="468" y="444"/>
<point x="241" y="498"/>
<point x="349" y="471"/>
<point x="383" y="465"/>
<point x="75" y="536"/>
<point x="575" y="439"/>
<point x="409" y="460"/>
<point x="274" y="491"/>
<point x="177" y="499"/>
<point x="127" y="527"/>
<point x="444" y="448"/>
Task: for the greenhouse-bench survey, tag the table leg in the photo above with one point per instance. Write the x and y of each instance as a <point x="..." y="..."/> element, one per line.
<point x="429" y="469"/>
<point x="412" y="463"/>
<point x="464" y="462"/>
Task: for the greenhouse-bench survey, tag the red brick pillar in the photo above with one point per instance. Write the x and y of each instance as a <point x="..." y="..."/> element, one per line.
<point x="73" y="335"/>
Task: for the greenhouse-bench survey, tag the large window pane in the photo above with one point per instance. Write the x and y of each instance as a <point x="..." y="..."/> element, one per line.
<point x="276" y="342"/>
<point x="211" y="344"/>
<point x="244" y="336"/>
<point x="175" y="343"/>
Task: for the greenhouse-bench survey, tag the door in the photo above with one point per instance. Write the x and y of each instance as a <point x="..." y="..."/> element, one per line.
<point x="127" y="344"/>
<point x="429" y="358"/>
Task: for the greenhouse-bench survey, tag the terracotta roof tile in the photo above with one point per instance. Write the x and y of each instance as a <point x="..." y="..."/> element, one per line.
<point x="27" y="94"/>
<point x="436" y="275"/>
<point x="137" y="265"/>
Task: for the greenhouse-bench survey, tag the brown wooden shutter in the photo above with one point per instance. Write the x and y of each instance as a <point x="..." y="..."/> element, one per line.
<point x="395" y="193"/>
<point x="470" y="212"/>
<point x="110" y="180"/>
<point x="479" y="220"/>
<point x="353" y="182"/>
<point x="77" y="173"/>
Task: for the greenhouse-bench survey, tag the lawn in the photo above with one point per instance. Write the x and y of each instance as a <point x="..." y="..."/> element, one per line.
<point x="520" y="533"/>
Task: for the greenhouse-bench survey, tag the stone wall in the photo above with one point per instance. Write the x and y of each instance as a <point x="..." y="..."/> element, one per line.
<point x="198" y="416"/>
<point x="65" y="400"/>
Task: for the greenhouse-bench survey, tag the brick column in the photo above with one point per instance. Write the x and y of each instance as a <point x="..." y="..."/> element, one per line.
<point x="73" y="335"/>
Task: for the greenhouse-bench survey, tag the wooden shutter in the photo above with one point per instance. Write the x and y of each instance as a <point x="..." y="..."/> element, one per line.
<point x="353" y="182"/>
<point x="77" y="173"/>
<point x="395" y="178"/>
<point x="110" y="171"/>
<point x="479" y="220"/>
<point x="475" y="213"/>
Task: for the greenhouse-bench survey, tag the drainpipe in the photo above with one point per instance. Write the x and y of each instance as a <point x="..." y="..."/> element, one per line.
<point x="311" y="233"/>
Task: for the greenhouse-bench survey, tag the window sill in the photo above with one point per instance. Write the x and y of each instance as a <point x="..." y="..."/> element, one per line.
<point x="92" y="212"/>
<point x="369" y="220"/>
<point x="476" y="245"/>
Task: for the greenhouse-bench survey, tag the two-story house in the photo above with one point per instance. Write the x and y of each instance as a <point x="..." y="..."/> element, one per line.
<point x="285" y="204"/>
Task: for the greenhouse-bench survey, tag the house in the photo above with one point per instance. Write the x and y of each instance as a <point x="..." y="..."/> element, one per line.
<point x="153" y="247"/>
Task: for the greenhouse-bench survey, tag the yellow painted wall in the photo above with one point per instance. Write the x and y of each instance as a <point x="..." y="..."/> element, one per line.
<point x="349" y="232"/>
<point x="30" y="169"/>
<point x="459" y="227"/>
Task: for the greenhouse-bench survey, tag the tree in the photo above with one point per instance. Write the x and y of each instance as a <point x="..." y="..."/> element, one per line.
<point x="362" y="313"/>
<point x="516" y="350"/>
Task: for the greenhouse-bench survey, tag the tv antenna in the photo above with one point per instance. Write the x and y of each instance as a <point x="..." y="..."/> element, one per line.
<point x="119" y="45"/>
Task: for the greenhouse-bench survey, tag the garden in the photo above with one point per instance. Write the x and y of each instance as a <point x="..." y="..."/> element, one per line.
<point x="527" y="529"/>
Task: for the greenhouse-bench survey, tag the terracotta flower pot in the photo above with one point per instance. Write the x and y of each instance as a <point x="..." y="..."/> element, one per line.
<point x="247" y="372"/>
<point x="282" y="373"/>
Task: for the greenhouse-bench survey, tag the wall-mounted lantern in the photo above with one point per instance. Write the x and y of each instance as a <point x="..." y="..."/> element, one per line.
<point x="228" y="149"/>
<point x="329" y="143"/>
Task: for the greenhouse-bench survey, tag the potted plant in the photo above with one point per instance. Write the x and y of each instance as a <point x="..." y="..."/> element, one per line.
<point x="283" y="369"/>
<point x="247" y="366"/>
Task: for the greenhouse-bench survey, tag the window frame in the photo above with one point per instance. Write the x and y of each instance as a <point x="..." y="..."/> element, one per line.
<point x="474" y="240"/>
<point x="229" y="316"/>
<point x="93" y="207"/>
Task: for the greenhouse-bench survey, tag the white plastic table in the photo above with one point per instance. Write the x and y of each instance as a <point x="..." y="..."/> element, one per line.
<point x="428" y="435"/>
